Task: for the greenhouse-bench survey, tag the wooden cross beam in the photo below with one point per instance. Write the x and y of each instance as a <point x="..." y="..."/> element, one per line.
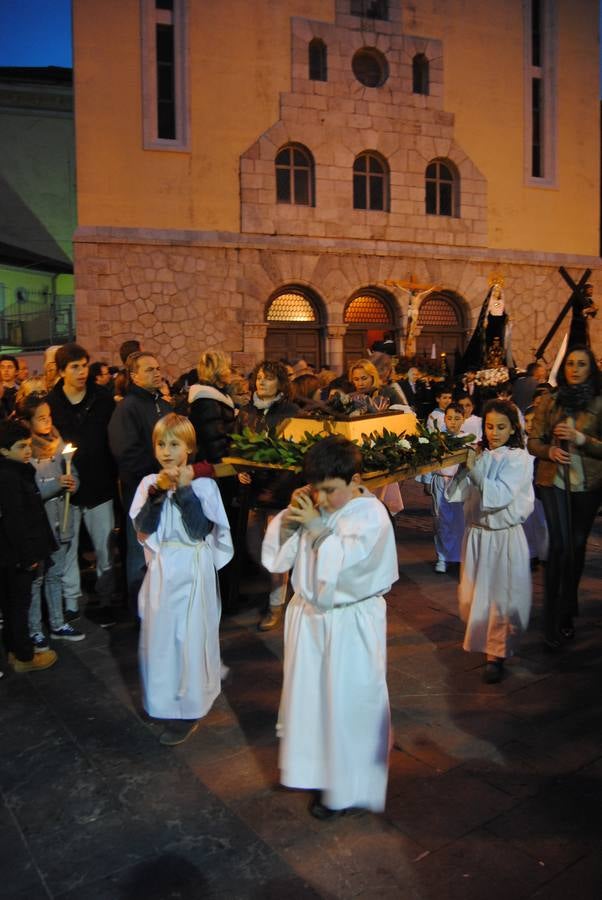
<point x="577" y="291"/>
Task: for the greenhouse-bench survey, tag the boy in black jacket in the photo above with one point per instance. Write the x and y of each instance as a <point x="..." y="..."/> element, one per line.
<point x="26" y="541"/>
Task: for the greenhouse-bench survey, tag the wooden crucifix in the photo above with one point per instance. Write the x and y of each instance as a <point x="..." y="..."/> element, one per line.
<point x="581" y="304"/>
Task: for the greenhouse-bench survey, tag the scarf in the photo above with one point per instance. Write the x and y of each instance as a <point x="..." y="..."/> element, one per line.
<point x="264" y="405"/>
<point x="44" y="446"/>
<point x="574" y="397"/>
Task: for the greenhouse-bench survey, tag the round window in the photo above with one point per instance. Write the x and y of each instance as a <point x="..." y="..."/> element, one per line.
<point x="370" y="67"/>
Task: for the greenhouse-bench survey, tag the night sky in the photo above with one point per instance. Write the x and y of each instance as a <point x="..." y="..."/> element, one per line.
<point x="35" y="33"/>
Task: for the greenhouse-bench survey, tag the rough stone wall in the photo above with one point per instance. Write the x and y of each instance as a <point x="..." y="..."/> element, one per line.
<point x="339" y="118"/>
<point x="181" y="299"/>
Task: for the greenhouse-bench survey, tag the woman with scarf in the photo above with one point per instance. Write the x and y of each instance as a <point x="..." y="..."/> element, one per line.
<point x="270" y="491"/>
<point x="566" y="438"/>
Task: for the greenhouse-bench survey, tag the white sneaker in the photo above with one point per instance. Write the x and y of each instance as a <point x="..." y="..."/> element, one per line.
<point x="441" y="566"/>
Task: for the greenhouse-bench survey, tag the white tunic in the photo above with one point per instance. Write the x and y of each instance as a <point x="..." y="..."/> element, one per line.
<point x="179" y="607"/>
<point x="334" y="719"/>
<point x="495" y="584"/>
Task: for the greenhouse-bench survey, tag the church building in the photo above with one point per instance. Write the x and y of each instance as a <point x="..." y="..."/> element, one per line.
<point x="285" y="178"/>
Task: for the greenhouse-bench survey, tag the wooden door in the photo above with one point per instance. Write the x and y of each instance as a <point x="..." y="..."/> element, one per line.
<point x="294" y="343"/>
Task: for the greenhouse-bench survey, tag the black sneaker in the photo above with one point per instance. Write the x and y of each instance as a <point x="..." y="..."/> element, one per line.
<point x="104" y="616"/>
<point x="178" y="731"/>
<point x="66" y="633"/>
<point x="40" y="642"/>
<point x="71" y="615"/>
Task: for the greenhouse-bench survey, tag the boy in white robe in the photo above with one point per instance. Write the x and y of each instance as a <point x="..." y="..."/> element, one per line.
<point x="334" y="719"/>
<point x="183" y="527"/>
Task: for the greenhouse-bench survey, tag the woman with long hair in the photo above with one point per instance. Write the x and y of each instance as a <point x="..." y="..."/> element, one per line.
<point x="566" y="438"/>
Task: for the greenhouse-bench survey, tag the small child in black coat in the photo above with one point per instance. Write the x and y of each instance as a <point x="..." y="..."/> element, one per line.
<point x="26" y="542"/>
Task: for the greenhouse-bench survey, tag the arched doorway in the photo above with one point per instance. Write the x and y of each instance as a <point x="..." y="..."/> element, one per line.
<point x="370" y="316"/>
<point x="295" y="326"/>
<point x="442" y="326"/>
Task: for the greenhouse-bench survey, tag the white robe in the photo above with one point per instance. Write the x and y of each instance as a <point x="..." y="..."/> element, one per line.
<point x="179" y="607"/>
<point x="495" y="585"/>
<point x="334" y="719"/>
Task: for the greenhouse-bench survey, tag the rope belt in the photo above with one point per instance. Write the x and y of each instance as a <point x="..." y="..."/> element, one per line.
<point x="487" y="528"/>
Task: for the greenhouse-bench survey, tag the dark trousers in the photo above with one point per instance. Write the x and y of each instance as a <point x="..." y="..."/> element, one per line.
<point x="135" y="562"/>
<point x="15" y="600"/>
<point x="563" y="574"/>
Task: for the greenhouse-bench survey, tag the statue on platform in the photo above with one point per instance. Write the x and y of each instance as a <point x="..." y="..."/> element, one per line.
<point x="489" y="345"/>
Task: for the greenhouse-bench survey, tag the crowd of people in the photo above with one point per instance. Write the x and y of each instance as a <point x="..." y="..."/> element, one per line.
<point x="129" y="461"/>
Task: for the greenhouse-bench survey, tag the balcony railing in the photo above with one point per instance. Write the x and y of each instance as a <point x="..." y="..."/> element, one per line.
<point x="41" y="320"/>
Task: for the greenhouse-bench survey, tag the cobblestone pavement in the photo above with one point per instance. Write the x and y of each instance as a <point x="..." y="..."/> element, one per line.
<point x="494" y="791"/>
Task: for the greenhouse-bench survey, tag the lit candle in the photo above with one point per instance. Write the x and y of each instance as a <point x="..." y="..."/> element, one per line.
<point x="67" y="452"/>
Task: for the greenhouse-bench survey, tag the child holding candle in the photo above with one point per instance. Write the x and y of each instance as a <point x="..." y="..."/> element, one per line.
<point x="56" y="480"/>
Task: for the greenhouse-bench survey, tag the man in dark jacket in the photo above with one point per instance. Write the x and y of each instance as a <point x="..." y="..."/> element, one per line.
<point x="26" y="542"/>
<point x="81" y="413"/>
<point x="130" y="437"/>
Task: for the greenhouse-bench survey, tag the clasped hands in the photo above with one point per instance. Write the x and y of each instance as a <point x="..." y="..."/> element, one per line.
<point x="174" y="477"/>
<point x="301" y="510"/>
<point x="563" y="432"/>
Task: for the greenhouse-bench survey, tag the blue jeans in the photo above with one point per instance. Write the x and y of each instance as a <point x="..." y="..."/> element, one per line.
<point x="52" y="591"/>
<point x="135" y="563"/>
<point x="100" y="521"/>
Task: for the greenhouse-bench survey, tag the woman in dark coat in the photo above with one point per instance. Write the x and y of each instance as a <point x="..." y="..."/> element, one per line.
<point x="212" y="411"/>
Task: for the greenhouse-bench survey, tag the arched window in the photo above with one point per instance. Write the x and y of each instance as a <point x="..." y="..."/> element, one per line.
<point x="295" y="176"/>
<point x="370" y="182"/>
<point x="420" y="74"/>
<point x="367" y="309"/>
<point x="442" y="196"/>
<point x="318" y="60"/>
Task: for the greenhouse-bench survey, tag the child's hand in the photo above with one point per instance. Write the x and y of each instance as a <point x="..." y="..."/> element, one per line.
<point x="67" y="482"/>
<point x="244" y="477"/>
<point x="184" y="476"/>
<point x="471" y="458"/>
<point x="302" y="510"/>
<point x="167" y="479"/>
<point x="142" y="537"/>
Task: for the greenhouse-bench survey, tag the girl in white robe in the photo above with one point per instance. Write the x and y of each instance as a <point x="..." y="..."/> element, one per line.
<point x="495" y="585"/>
<point x="334" y="719"/>
<point x="183" y="527"/>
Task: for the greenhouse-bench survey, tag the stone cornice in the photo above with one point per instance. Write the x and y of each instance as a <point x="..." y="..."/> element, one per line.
<point x="85" y="234"/>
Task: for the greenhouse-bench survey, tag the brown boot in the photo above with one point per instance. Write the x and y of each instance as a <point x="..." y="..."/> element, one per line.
<point x="42" y="660"/>
<point x="271" y="619"/>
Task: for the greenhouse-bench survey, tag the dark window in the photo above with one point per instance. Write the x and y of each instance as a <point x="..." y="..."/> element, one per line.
<point x="166" y="100"/>
<point x="370" y="182"/>
<point x="370" y="67"/>
<point x="441" y="194"/>
<point x="164" y="4"/>
<point x="536" y="123"/>
<point x="420" y="74"/>
<point x="370" y="9"/>
<point x="318" y="60"/>
<point x="536" y="32"/>
<point x="295" y="176"/>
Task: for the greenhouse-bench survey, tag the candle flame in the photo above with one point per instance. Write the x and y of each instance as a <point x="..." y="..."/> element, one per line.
<point x="69" y="448"/>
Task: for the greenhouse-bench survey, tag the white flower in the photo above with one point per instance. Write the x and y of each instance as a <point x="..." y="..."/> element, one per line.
<point x="404" y="444"/>
<point x="423" y="440"/>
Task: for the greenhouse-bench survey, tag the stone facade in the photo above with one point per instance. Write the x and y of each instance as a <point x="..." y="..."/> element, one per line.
<point x="212" y="291"/>
<point x="338" y="119"/>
